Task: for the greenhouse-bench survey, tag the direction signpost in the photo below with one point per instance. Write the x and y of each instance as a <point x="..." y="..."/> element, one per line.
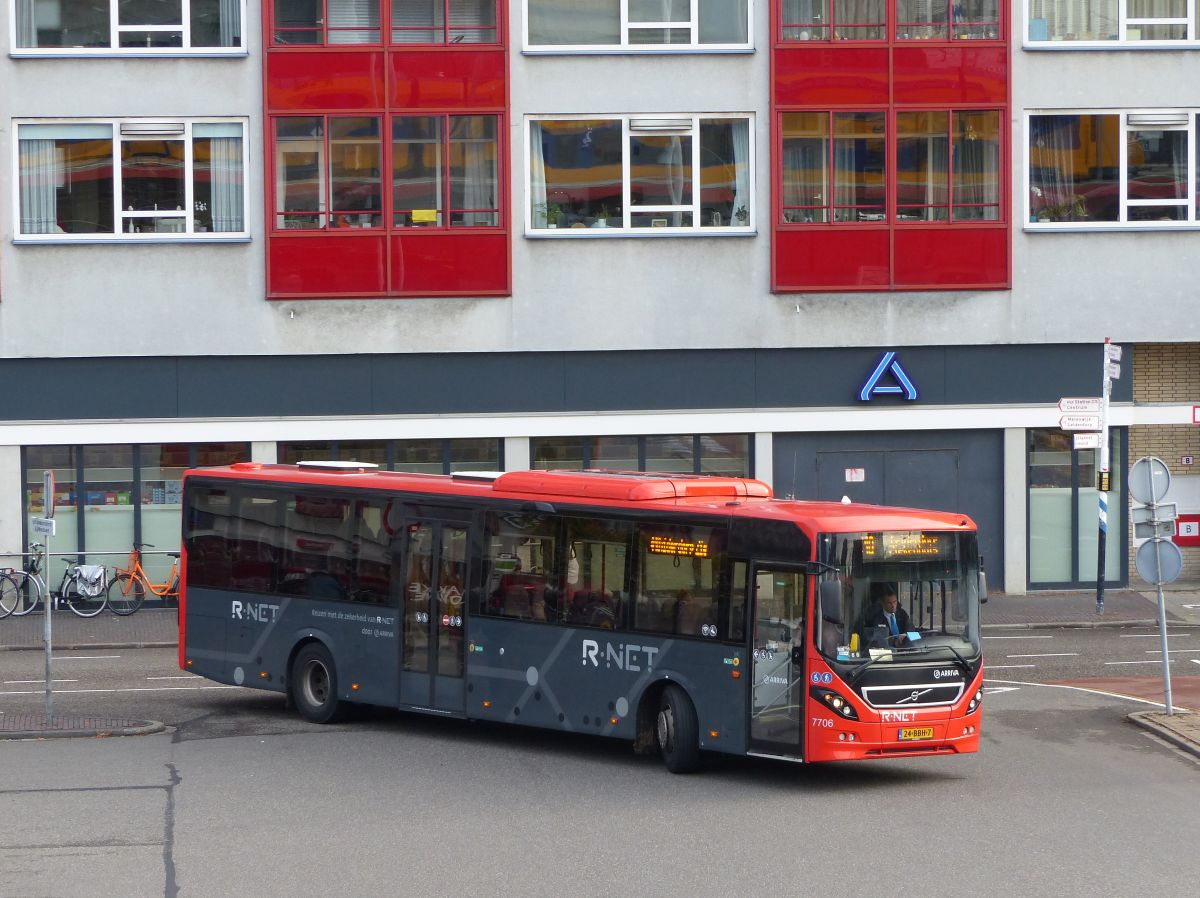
<point x="1158" y="560"/>
<point x="1087" y="418"/>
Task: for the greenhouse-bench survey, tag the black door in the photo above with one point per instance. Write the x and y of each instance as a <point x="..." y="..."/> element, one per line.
<point x="434" y="613"/>
<point x="777" y="660"/>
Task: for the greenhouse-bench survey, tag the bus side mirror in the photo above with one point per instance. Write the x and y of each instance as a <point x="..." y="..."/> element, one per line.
<point x="831" y="601"/>
<point x="983" y="587"/>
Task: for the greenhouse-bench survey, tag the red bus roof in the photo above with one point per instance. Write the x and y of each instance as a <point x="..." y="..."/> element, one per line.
<point x="735" y="496"/>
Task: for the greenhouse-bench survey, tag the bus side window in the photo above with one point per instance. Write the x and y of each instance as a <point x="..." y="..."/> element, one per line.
<point x="735" y="629"/>
<point x="678" y="579"/>
<point x="521" y="566"/>
<point x="597" y="569"/>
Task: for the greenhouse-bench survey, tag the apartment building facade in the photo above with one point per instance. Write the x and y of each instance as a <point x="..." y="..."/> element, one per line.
<point x="850" y="247"/>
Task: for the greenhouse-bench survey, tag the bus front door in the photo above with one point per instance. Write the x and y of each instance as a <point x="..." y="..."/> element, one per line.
<point x="434" y="611"/>
<point x="777" y="659"/>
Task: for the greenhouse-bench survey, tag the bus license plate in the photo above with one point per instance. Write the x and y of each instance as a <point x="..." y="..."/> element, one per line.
<point x="910" y="733"/>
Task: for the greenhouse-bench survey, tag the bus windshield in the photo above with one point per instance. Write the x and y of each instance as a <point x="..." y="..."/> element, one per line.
<point x="905" y="595"/>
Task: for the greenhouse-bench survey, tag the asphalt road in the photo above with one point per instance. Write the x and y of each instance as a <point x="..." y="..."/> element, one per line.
<point x="243" y="798"/>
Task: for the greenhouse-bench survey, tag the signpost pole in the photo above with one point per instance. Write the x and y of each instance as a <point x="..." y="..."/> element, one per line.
<point x="1162" y="619"/>
<point x="48" y="514"/>
<point x="1111" y="361"/>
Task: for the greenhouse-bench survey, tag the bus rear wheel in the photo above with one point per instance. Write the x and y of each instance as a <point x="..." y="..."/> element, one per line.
<point x="314" y="687"/>
<point x="678" y="731"/>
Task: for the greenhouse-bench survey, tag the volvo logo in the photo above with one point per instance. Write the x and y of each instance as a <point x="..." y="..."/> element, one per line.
<point x="915" y="695"/>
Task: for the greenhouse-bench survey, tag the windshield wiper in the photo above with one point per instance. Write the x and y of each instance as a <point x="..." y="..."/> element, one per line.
<point x="959" y="660"/>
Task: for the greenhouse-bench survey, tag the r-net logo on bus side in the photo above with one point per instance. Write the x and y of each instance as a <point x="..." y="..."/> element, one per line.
<point x="621" y="655"/>
<point x="262" y="612"/>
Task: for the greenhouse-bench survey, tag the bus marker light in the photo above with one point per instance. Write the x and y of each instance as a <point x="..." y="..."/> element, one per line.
<point x="613" y="721"/>
<point x="189" y="662"/>
<point x="841" y="737"/>
<point x="737" y="674"/>
<point x="354" y="687"/>
<point x="262" y="674"/>
<point x="486" y="704"/>
<point x="713" y="734"/>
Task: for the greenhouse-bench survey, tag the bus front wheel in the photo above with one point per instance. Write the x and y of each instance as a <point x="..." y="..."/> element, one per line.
<point x="677" y="731"/>
<point x="314" y="685"/>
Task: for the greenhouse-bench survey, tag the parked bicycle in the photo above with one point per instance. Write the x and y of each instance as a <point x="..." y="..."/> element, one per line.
<point x="129" y="585"/>
<point x="83" y="589"/>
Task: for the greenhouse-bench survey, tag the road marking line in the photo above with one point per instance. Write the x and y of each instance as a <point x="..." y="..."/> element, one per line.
<point x="1047" y="655"/>
<point x="1018" y="637"/>
<point x="1172" y="660"/>
<point x="1006" y="666"/>
<point x="23" y="682"/>
<point x="1151" y="635"/>
<point x="129" y="689"/>
<point x="84" y="657"/>
<point x="1128" y="698"/>
<point x="177" y="677"/>
<point x="1174" y="651"/>
<point x="997" y="690"/>
<point x="1193" y="660"/>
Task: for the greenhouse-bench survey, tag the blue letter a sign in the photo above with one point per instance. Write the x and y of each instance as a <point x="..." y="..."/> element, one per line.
<point x="875" y="387"/>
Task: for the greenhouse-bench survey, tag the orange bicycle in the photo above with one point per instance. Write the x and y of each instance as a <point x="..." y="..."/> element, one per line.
<point x="127" y="589"/>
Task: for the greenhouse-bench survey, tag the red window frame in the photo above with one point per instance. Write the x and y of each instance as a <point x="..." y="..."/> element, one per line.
<point x="891" y="144"/>
<point x="322" y="29"/>
<point x="386" y="212"/>
<point x="891" y="27"/>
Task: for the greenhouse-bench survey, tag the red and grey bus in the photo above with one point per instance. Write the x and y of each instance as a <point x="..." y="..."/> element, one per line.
<point x="684" y="613"/>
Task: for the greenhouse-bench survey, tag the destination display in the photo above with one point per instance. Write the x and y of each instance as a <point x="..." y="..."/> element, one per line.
<point x="673" y="545"/>
<point x="908" y="544"/>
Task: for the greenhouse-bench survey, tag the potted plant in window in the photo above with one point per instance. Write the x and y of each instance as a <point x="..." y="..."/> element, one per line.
<point x="601" y="217"/>
<point x="546" y="215"/>
<point x="741" y="214"/>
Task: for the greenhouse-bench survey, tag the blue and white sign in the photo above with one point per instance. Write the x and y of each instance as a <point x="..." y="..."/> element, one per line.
<point x="876" y="385"/>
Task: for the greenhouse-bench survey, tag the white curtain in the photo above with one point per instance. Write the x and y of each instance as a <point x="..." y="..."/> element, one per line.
<point x="675" y="176"/>
<point x="537" y="177"/>
<point x="352" y="21"/>
<point x="26" y="24"/>
<point x="39" y="179"/>
<point x="230" y="24"/>
<point x="742" y="163"/>
<point x="472" y="21"/>
<point x="412" y="21"/>
<point x="977" y="176"/>
<point x="1052" y="139"/>
<point x="479" y="173"/>
<point x="226" y="174"/>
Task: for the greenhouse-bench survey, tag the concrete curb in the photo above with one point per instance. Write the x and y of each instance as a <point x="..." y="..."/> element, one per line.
<point x="146" y="728"/>
<point x="78" y="647"/>
<point x="1179" y="740"/>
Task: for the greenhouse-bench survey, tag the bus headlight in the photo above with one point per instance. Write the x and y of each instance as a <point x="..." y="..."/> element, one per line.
<point x="976" y="700"/>
<point x="835" y="702"/>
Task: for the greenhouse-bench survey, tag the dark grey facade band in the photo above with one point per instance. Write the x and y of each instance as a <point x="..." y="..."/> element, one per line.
<point x="537" y="382"/>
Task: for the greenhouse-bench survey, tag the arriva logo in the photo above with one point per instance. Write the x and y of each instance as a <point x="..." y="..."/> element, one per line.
<point x="621" y="655"/>
<point x="256" y="611"/>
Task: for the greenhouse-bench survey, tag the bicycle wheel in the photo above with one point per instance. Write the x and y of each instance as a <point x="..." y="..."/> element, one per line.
<point x="84" y="606"/>
<point x="10" y="596"/>
<point x="125" y="594"/>
<point x="29" y="592"/>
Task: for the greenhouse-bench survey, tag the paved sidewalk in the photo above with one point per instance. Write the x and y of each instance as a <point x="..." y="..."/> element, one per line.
<point x="1122" y="608"/>
<point x="148" y="628"/>
<point x="1181" y="729"/>
<point x="37" y="726"/>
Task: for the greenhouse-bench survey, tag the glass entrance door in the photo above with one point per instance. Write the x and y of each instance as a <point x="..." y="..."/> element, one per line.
<point x="435" y="585"/>
<point x="777" y="659"/>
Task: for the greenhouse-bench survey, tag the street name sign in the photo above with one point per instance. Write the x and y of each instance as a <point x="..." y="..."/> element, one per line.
<point x="1080" y="404"/>
<point x="1085" y="440"/>
<point x="42" y="526"/>
<point x="1079" y="422"/>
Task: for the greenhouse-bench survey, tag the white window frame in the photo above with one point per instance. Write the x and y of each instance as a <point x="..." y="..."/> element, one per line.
<point x="116" y="30"/>
<point x="1192" y="41"/>
<point x="1191" y="223"/>
<point x="120" y="215"/>
<point x="625" y="47"/>
<point x="625" y="230"/>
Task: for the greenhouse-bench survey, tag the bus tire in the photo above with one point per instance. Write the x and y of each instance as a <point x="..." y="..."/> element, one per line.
<point x="314" y="685"/>
<point x="677" y="731"/>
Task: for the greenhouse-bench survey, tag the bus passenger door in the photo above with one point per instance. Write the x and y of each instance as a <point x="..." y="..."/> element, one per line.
<point x="433" y="614"/>
<point x="777" y="661"/>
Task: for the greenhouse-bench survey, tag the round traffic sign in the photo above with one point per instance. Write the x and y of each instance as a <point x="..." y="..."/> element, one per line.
<point x="1149" y="480"/>
<point x="1159" y="561"/>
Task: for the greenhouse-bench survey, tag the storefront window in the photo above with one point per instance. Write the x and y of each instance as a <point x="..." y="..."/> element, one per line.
<point x="62" y="460"/>
<point x="725" y="454"/>
<point x="562" y="453"/>
<point x="1064" y="510"/>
